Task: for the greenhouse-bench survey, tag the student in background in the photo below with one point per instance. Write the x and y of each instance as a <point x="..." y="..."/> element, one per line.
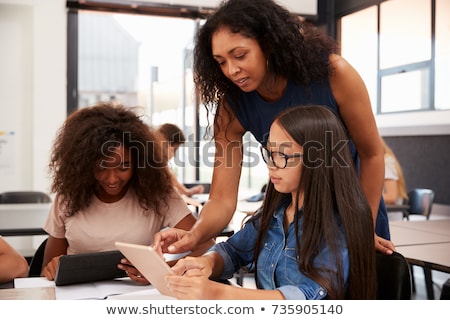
<point x="12" y="263"/>
<point x="173" y="137"/>
<point x="394" y="182"/>
<point x="112" y="184"/>
<point x="253" y="59"/>
<point x="313" y="238"/>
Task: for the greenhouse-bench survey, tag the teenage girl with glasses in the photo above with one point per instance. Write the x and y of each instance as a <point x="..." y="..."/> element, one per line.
<point x="313" y="238"/>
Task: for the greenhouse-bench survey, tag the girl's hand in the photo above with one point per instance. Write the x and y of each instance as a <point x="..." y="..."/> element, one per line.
<point x="201" y="264"/>
<point x="193" y="285"/>
<point x="132" y="272"/>
<point x="49" y="271"/>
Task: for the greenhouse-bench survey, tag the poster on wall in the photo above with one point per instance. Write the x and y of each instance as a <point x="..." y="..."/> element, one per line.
<point x="7" y="151"/>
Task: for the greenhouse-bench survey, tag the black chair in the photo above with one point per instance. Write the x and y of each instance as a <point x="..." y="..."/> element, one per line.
<point x="206" y="185"/>
<point x="420" y="202"/>
<point x="393" y="277"/>
<point x="445" y="293"/>
<point x="37" y="260"/>
<point x="24" y="197"/>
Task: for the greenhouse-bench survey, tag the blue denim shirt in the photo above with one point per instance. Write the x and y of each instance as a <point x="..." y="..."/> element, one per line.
<point x="277" y="263"/>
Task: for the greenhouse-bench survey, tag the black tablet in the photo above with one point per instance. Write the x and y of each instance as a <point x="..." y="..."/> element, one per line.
<point x="89" y="267"/>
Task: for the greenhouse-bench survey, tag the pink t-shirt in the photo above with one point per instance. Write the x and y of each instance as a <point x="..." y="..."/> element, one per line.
<point x="97" y="227"/>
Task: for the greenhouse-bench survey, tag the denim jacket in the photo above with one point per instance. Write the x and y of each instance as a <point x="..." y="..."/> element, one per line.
<point x="277" y="263"/>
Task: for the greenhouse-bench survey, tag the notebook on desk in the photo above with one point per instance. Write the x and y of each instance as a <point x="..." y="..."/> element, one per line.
<point x="88" y="267"/>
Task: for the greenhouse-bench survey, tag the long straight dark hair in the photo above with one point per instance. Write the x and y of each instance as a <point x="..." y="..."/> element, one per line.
<point x="333" y="199"/>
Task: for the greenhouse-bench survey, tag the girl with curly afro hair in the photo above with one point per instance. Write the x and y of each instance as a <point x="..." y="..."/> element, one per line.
<point x="112" y="183"/>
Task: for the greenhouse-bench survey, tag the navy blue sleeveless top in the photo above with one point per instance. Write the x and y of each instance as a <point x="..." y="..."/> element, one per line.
<point x="256" y="115"/>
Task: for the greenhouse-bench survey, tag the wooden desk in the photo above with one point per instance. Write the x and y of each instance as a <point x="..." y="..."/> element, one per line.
<point x="42" y="289"/>
<point x="47" y="293"/>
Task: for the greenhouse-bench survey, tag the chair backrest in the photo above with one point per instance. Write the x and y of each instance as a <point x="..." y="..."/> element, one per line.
<point x="394" y="277"/>
<point x="37" y="261"/>
<point x="206" y="185"/>
<point x="24" y="197"/>
<point x="421" y="201"/>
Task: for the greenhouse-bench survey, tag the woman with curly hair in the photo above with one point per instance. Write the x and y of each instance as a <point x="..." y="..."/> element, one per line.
<point x="253" y="59"/>
<point x="313" y="237"/>
<point x="111" y="183"/>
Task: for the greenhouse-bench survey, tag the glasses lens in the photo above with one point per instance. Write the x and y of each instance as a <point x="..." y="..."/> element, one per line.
<point x="265" y="154"/>
<point x="279" y="160"/>
<point x="271" y="159"/>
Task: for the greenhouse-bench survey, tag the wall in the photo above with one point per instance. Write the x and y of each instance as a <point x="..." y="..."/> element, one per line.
<point x="425" y="162"/>
<point x="421" y="142"/>
<point x="32" y="87"/>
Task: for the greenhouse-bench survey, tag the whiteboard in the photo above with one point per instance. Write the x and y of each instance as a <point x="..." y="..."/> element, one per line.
<point x="301" y="7"/>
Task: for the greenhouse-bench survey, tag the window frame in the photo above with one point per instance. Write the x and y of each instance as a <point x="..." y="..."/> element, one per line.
<point x="346" y="7"/>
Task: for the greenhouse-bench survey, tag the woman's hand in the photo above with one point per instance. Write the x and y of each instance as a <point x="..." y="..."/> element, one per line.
<point x="174" y="241"/>
<point x="132" y="272"/>
<point x="384" y="246"/>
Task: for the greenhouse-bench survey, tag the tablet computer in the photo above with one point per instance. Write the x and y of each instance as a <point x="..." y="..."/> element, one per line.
<point x="149" y="264"/>
<point x="89" y="267"/>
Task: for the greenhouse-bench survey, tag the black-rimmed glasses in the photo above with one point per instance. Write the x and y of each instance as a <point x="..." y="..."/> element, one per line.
<point x="277" y="159"/>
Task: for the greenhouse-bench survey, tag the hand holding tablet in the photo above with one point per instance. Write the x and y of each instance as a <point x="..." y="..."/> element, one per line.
<point x="149" y="264"/>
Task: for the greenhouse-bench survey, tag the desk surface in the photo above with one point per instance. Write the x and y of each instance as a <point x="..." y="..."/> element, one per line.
<point x="47" y="293"/>
<point x="433" y="226"/>
<point x="435" y="256"/>
<point x="402" y="236"/>
<point x="39" y="288"/>
<point x="248" y="207"/>
<point x="396" y="207"/>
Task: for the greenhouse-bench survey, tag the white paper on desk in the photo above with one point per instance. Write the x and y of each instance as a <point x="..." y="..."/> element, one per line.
<point x="33" y="282"/>
<point x="148" y="294"/>
<point x="98" y="290"/>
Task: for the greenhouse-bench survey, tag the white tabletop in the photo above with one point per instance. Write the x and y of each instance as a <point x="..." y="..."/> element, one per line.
<point x="433" y="226"/>
<point x="436" y="254"/>
<point x="401" y="236"/>
<point x="23" y="216"/>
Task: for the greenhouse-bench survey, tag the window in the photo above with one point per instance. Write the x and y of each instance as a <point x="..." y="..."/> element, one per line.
<point x="442" y="60"/>
<point x="128" y="59"/>
<point x="403" y="58"/>
<point x="146" y="61"/>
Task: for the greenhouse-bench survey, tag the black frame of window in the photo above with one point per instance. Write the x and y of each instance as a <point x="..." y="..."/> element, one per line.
<point x="117" y="6"/>
<point x="346" y="7"/>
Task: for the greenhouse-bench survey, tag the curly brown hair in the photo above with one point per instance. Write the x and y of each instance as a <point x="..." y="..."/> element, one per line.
<point x="296" y="50"/>
<point x="85" y="138"/>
